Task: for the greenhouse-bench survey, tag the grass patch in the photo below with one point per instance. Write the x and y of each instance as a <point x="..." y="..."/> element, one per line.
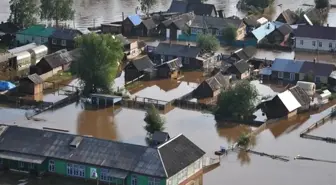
<point x="60" y="77"/>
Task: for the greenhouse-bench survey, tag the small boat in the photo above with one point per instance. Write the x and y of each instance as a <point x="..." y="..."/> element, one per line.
<point x="222" y="151"/>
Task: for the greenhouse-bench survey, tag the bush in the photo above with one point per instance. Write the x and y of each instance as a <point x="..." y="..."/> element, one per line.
<point x="207" y="42"/>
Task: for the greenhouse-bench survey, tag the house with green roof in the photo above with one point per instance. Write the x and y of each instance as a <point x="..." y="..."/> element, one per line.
<point x="38" y="34"/>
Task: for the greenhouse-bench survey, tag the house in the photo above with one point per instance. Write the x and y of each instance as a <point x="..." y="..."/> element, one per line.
<point x="170" y="69"/>
<point x="243" y="53"/>
<point x="38" y="34"/>
<point x="147" y="28"/>
<point x="170" y="31"/>
<point x="265" y="74"/>
<point x="280" y="35"/>
<point x="63" y="38"/>
<point x="288" y="16"/>
<point x="240" y="69"/>
<point x="251" y="23"/>
<point x="301" y="96"/>
<point x="332" y="79"/>
<point x="216" y="26"/>
<point x="64" y="154"/>
<point x="320" y="72"/>
<point x="138" y="67"/>
<point x="282" y="105"/>
<point x="212" y="86"/>
<point x="55" y="62"/>
<point x="32" y="84"/>
<point x="190" y="56"/>
<point x="286" y="69"/>
<point x="196" y="6"/>
<point x="113" y="28"/>
<point x="315" y="38"/>
<point x="129" y="25"/>
<point x="296" y="70"/>
<point x="159" y="138"/>
<point x="264" y="30"/>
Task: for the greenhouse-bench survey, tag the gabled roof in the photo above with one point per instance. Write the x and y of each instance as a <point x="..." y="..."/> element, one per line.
<point x="135" y="19"/>
<point x="58" y="58"/>
<point x="149" y="23"/>
<point x="177" y="50"/>
<point x="263" y="31"/>
<point x="178" y="6"/>
<point x="300" y="95"/>
<point x="242" y="66"/>
<point x="186" y="17"/>
<point x="320" y="69"/>
<point x="245" y="53"/>
<point x="289" y="16"/>
<point x="65" y="33"/>
<point x="178" y="153"/>
<point x="143" y="62"/>
<point x="214" y="22"/>
<point x="251" y="21"/>
<point x="37" y="30"/>
<point x="316" y="32"/>
<point x="218" y="81"/>
<point x="289" y="100"/>
<point x="285" y="29"/>
<point x="164" y="161"/>
<point x="35" y="78"/>
<point x="8" y="28"/>
<point x="174" y="64"/>
<point x="287" y="65"/>
<point x="201" y="8"/>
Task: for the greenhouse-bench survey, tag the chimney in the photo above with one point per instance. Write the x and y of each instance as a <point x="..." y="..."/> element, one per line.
<point x="220" y="14"/>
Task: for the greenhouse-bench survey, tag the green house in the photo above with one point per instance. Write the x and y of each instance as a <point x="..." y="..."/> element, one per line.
<point x="40" y="151"/>
<point x="38" y="34"/>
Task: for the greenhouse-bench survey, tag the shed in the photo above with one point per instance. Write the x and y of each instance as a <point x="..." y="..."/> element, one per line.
<point x="309" y="87"/>
<point x="170" y="69"/>
<point x="130" y="23"/>
<point x="159" y="138"/>
<point x="55" y="62"/>
<point x="212" y="86"/>
<point x="137" y="67"/>
<point x="38" y="53"/>
<point x="288" y="16"/>
<point x="324" y="96"/>
<point x="32" y="84"/>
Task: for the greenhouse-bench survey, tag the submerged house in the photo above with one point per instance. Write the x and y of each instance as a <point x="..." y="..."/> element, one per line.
<point x="138" y="67"/>
<point x="170" y="69"/>
<point x="260" y="33"/>
<point x="280" y="35"/>
<point x="212" y="86"/>
<point x="241" y="70"/>
<point x="38" y="34"/>
<point x="98" y="160"/>
<point x="147" y="28"/>
<point x="63" y="38"/>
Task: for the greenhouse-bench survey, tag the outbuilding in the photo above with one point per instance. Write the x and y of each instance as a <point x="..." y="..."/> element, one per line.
<point x="170" y="69"/>
<point x="309" y="87"/>
<point x="138" y="67"/>
<point x="32" y="84"/>
<point x="212" y="86"/>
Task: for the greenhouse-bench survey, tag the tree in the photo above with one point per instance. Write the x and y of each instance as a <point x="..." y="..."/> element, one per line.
<point x="146" y="5"/>
<point x="319" y="4"/>
<point x="230" y="34"/>
<point x="23" y="12"/>
<point x="154" y="122"/>
<point x="58" y="10"/>
<point x="207" y="42"/>
<point x="98" y="63"/>
<point x="258" y="3"/>
<point x="237" y="102"/>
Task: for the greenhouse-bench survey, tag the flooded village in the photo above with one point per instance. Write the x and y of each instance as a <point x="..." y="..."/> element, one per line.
<point x="53" y="134"/>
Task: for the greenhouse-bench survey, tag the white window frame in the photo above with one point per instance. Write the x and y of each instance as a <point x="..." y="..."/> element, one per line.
<point x="51" y="166"/>
<point x="280" y="75"/>
<point x="75" y="170"/>
<point x="301" y="42"/>
<point x="292" y="76"/>
<point x="63" y="42"/>
<point x="320" y="44"/>
<point x="134" y="180"/>
<point x="21" y="164"/>
<point x="54" y="41"/>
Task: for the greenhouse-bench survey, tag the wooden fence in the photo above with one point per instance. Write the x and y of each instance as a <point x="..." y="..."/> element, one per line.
<point x="185" y="104"/>
<point x="144" y="103"/>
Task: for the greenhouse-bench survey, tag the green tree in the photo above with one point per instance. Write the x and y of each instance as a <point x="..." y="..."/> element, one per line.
<point x="258" y="3"/>
<point x="57" y="10"/>
<point x="243" y="140"/>
<point x="230" y="34"/>
<point x="98" y="62"/>
<point x="207" y="42"/>
<point x="309" y="77"/>
<point x="23" y="12"/>
<point x="237" y="102"/>
<point x="154" y="122"/>
<point x="146" y="5"/>
<point x="319" y="4"/>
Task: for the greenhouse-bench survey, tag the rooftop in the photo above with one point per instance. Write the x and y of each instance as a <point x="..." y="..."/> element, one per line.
<point x="316" y="32"/>
<point x="263" y="31"/>
<point x="37" y="30"/>
<point x="177" y="50"/>
<point x="214" y="22"/>
<point x="287" y="65"/>
<point x="289" y="101"/>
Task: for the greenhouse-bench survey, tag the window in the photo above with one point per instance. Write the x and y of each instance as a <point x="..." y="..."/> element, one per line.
<point x="51" y="166"/>
<point x="280" y="75"/>
<point x="320" y="44"/>
<point x="301" y="42"/>
<point x="63" y="43"/>
<point x="330" y="45"/>
<point x="314" y="43"/>
<point x="134" y="180"/>
<point x="292" y="76"/>
<point x="186" y="60"/>
<point x="317" y="79"/>
<point x="75" y="170"/>
<point x="105" y="175"/>
<point x="54" y="41"/>
<point x="31" y="166"/>
<point x="21" y="164"/>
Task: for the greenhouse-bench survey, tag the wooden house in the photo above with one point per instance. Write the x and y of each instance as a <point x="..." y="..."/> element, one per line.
<point x="280" y="35"/>
<point x="130" y="25"/>
<point x="147" y="28"/>
<point x="138" y="67"/>
<point x="137" y="165"/>
<point x="240" y="69"/>
<point x="212" y="86"/>
<point x="32" y="84"/>
<point x="170" y="69"/>
<point x="288" y="17"/>
<point x="63" y="38"/>
<point x="113" y="28"/>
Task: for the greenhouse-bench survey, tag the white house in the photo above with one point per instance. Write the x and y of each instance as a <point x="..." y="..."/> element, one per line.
<point x="315" y="38"/>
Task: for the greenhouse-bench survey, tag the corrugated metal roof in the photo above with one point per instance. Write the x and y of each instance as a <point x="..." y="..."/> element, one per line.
<point x="22" y="48"/>
<point x="22" y="55"/>
<point x="37" y="30"/>
<point x="263" y="31"/>
<point x="289" y="100"/>
<point x="287" y="65"/>
<point x="135" y="19"/>
<point x="40" y="49"/>
<point x="22" y="157"/>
